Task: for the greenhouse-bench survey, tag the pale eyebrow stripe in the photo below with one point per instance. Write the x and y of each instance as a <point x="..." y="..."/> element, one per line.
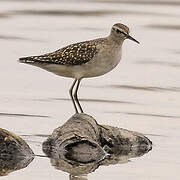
<point x="120" y="31"/>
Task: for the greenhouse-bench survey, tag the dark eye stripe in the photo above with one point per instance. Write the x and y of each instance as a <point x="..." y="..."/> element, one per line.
<point x="119" y="31"/>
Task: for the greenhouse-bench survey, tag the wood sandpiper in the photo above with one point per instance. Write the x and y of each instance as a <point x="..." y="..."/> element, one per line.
<point x="84" y="59"/>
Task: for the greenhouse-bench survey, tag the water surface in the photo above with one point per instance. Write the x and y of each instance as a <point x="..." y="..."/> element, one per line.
<point x="141" y="94"/>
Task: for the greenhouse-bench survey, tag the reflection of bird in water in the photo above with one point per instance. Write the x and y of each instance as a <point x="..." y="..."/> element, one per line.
<point x="85" y="59"/>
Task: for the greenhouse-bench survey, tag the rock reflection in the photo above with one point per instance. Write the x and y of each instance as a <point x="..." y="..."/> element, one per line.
<point x="15" y="154"/>
<point x="81" y="145"/>
<point x="71" y="177"/>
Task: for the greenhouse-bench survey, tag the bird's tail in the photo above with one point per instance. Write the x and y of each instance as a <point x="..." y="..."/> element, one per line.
<point x="27" y="60"/>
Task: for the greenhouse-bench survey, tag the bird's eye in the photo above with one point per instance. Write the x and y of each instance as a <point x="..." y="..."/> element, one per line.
<point x="118" y="31"/>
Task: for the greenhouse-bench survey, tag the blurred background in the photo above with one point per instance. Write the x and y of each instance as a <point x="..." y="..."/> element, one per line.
<point x="141" y="94"/>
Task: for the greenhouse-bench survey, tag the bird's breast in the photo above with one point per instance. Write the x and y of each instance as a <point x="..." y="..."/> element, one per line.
<point x="109" y="58"/>
<point x="104" y="61"/>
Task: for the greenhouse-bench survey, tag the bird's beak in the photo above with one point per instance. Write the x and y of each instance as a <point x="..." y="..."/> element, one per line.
<point x="131" y="38"/>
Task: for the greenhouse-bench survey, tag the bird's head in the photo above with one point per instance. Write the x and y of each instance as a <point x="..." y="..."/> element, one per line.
<point x="120" y="32"/>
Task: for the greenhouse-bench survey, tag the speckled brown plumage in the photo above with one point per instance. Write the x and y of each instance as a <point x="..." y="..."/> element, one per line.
<point x="74" y="54"/>
<point x="84" y="59"/>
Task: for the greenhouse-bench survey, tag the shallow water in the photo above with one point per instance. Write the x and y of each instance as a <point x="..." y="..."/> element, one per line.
<point x="141" y="94"/>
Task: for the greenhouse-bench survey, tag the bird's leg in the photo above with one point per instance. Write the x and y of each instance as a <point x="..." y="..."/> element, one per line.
<point x="76" y="96"/>
<point x="71" y="94"/>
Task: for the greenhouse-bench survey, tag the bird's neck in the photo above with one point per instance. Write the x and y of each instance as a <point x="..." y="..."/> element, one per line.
<point x="118" y="41"/>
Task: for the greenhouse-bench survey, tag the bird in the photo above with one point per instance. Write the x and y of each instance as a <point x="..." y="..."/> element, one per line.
<point x="84" y="59"/>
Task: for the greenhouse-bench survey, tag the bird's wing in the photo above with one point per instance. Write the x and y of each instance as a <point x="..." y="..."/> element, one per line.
<point x="74" y="54"/>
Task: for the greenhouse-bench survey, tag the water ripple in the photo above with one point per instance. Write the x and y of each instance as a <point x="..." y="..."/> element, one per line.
<point x="146" y="88"/>
<point x="12" y="37"/>
<point x="3" y="15"/>
<point x="82" y="13"/>
<point x="141" y="88"/>
<point x="60" y="12"/>
<point x="164" y="27"/>
<point x="86" y="100"/>
<point x="161" y="63"/>
<point x="144" y="114"/>
<point x="146" y="2"/>
<point x="22" y="115"/>
<point x="8" y="37"/>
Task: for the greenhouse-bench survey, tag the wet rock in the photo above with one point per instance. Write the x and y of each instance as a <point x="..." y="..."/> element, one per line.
<point x="81" y="145"/>
<point x="15" y="153"/>
<point x="77" y="140"/>
<point x="117" y="140"/>
<point x="122" y="144"/>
